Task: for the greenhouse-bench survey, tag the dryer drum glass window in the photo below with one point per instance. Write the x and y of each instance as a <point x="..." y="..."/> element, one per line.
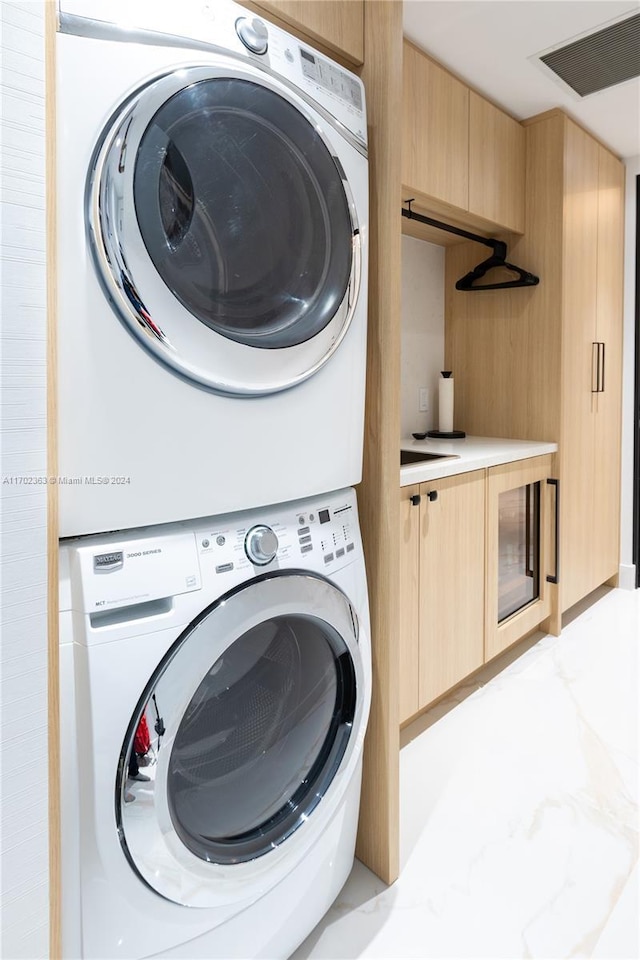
<point x="259" y="742"/>
<point x="243" y="212"/>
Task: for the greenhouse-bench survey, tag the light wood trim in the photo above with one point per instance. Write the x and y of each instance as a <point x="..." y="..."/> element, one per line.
<point x="53" y="704"/>
<point x="452" y="581"/>
<point x="496" y="164"/>
<point x="331" y="25"/>
<point x="435" y="134"/>
<point x="409" y="640"/>
<point x="378" y="834"/>
<point x="609" y="321"/>
<point x="499" y="480"/>
<point x="577" y="450"/>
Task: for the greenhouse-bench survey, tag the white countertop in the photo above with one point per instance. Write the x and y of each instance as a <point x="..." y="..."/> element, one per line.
<point x="470" y="453"/>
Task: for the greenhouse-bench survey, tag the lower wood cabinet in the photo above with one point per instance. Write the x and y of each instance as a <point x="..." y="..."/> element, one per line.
<point x="442" y="586"/>
<point x="478" y="561"/>
<point x="521" y="506"/>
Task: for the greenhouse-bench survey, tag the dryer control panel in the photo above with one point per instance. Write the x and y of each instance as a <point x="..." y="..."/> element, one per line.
<point x="222" y="26"/>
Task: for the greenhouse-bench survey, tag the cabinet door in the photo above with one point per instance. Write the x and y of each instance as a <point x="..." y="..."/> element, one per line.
<point x="519" y="534"/>
<point x="605" y="552"/>
<point x="435" y="138"/>
<point x="409" y="598"/>
<point x="452" y="526"/>
<point x="331" y="23"/>
<point x="496" y="164"/>
<point x="577" y="450"/>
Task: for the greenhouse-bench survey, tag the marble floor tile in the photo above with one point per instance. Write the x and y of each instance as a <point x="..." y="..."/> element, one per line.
<point x="519" y="817"/>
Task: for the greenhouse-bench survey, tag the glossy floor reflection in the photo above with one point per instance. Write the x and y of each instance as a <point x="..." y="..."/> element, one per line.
<point x="519" y="817"/>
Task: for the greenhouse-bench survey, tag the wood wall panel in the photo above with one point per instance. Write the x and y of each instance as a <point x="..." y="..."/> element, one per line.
<point x="504" y="345"/>
<point x="378" y="836"/>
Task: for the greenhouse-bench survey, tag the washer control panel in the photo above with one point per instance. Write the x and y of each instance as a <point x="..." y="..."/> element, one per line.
<point x="318" y="534"/>
<point x="134" y="568"/>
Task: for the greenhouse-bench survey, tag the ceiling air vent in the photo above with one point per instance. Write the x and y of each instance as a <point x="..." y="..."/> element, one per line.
<point x="599" y="60"/>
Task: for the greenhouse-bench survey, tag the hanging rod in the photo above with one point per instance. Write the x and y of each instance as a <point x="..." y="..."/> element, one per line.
<point x="499" y="247"/>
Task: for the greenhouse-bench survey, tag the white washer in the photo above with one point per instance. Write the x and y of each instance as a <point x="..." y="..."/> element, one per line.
<point x="244" y="641"/>
<point x="212" y="201"/>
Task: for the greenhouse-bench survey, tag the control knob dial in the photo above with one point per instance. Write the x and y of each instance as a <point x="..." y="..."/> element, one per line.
<point x="253" y="34"/>
<point x="261" y="545"/>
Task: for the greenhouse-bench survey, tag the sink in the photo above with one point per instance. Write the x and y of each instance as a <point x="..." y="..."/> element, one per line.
<point x="419" y="456"/>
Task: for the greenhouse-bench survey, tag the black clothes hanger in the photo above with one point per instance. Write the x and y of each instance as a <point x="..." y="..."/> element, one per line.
<point x="497" y="259"/>
<point x="524" y="279"/>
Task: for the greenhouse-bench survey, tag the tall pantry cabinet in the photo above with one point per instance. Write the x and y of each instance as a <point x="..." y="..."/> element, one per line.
<point x="544" y="363"/>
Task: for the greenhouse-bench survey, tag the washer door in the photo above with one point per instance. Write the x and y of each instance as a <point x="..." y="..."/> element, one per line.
<point x="224" y="229"/>
<point x="257" y="707"/>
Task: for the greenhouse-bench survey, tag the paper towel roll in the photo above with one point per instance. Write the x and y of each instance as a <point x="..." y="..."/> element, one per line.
<point x="445" y="403"/>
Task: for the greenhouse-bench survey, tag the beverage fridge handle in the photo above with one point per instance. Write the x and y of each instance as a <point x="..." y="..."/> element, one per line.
<point x="555" y="578"/>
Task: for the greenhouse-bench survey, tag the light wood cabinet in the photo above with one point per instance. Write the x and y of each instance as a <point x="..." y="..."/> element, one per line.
<point x="526" y="360"/>
<point x="462" y="157"/>
<point x="521" y="552"/>
<point x="435" y="140"/>
<point x="409" y="641"/>
<point x="496" y="164"/>
<point x="478" y="563"/>
<point x="452" y="529"/>
<point x="333" y="24"/>
<point x="607" y="420"/>
<point x="441" y="587"/>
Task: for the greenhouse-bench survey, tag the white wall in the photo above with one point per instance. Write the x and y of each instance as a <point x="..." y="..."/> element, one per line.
<point x="627" y="569"/>
<point x="422" y="331"/>
<point x="24" y="919"/>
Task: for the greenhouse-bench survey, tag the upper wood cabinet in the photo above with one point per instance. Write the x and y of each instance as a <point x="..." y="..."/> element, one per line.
<point x="458" y="150"/>
<point x="496" y="164"/>
<point x="435" y="149"/>
<point x="330" y="23"/>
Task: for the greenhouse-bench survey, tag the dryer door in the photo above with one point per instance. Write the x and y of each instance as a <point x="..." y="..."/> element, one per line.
<point x="259" y="716"/>
<point x="224" y="228"/>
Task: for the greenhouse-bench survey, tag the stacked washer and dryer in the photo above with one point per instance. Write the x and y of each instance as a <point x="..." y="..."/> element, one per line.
<point x="212" y="208"/>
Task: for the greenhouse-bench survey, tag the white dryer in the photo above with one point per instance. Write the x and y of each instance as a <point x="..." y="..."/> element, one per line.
<point x="243" y="640"/>
<point x="212" y="196"/>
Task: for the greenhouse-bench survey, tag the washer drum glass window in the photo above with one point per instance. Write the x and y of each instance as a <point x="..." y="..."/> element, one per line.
<point x="244" y="214"/>
<point x="251" y="747"/>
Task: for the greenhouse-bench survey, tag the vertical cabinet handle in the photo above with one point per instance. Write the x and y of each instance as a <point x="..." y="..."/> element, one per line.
<point x="556" y="576"/>
<point x="597" y="367"/>
<point x="528" y="572"/>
